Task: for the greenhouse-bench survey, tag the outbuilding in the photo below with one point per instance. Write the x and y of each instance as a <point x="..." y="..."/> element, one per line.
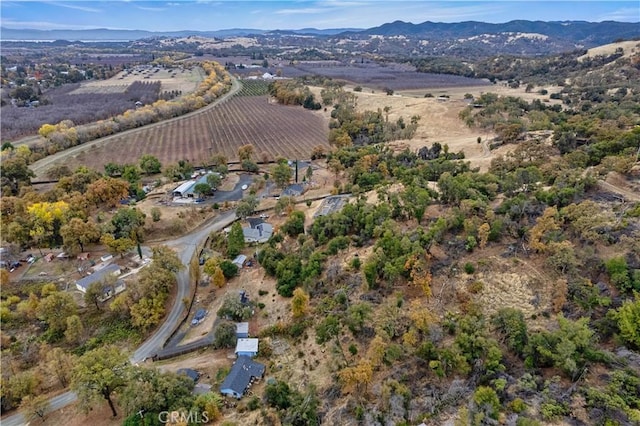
<point x="239" y="260"/>
<point x="247" y="347"/>
<point x="242" y="330"/>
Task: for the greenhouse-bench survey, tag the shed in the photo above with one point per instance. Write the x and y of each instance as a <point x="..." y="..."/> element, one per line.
<point x="84" y="283"/>
<point x="247" y="347"/>
<point x="239" y="260"/>
<point x="190" y="373"/>
<point x="243" y="372"/>
<point x="242" y="330"/>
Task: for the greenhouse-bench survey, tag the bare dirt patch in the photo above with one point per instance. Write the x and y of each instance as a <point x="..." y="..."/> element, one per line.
<point x="439" y="116"/>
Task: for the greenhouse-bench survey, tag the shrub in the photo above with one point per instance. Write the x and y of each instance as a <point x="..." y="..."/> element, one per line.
<point x="618" y="271"/>
<point x="155" y="214"/>
<point x="511" y="324"/>
<point x="353" y="349"/>
<point x="475" y="287"/>
<point x="469" y="268"/>
<point x="517" y="405"/>
<point x="552" y="410"/>
<point x="485" y="396"/>
<point x="229" y="269"/>
<point x="253" y="404"/>
<point x="525" y="421"/>
<point x="356" y="263"/>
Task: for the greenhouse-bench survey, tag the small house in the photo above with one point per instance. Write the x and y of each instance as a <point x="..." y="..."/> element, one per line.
<point x="242" y="375"/>
<point x="101" y="276"/>
<point x="247" y="347"/>
<point x="242" y="330"/>
<point x="259" y="231"/>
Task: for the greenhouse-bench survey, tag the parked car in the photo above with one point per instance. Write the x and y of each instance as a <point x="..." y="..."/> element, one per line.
<point x="199" y="316"/>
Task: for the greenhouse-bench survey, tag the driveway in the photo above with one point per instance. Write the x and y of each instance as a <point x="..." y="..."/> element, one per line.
<point x="236" y="193"/>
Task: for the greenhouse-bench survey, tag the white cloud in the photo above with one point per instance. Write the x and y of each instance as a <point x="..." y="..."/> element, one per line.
<point x="302" y="11"/>
<point x="629" y="14"/>
<point x="152" y="9"/>
<point x="77" y="7"/>
<point x="42" y="25"/>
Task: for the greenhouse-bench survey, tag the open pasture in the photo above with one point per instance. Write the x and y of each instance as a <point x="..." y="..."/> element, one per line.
<point x="274" y="130"/>
<point x="176" y="79"/>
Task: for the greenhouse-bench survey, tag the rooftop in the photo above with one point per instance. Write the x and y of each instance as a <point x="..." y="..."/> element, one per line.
<point x="242" y="371"/>
<point x="259" y="234"/>
<point x="98" y="276"/>
<point x="247" y="345"/>
<point x="242" y="327"/>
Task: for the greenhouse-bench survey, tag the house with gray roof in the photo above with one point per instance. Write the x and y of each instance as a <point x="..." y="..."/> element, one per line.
<point x="243" y="373"/>
<point x="257" y="232"/>
<point x="102" y="275"/>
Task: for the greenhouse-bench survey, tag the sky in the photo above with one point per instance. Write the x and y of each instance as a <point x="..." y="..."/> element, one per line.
<point x="209" y="15"/>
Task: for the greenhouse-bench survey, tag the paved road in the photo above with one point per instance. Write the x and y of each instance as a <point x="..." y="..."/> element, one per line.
<point x="186" y="247"/>
<point x="55" y="403"/>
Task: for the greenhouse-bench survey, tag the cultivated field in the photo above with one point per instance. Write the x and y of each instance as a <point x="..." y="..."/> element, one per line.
<point x="274" y="130"/>
<point x="95" y="100"/>
<point x="181" y="80"/>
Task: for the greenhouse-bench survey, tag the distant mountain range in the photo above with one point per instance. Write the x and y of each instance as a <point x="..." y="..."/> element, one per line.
<point x="588" y="33"/>
<point x="396" y="39"/>
<point x="103" y="34"/>
<point x="595" y="33"/>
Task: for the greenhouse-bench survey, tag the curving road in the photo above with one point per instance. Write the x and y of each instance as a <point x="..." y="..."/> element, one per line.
<point x="185" y="246"/>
